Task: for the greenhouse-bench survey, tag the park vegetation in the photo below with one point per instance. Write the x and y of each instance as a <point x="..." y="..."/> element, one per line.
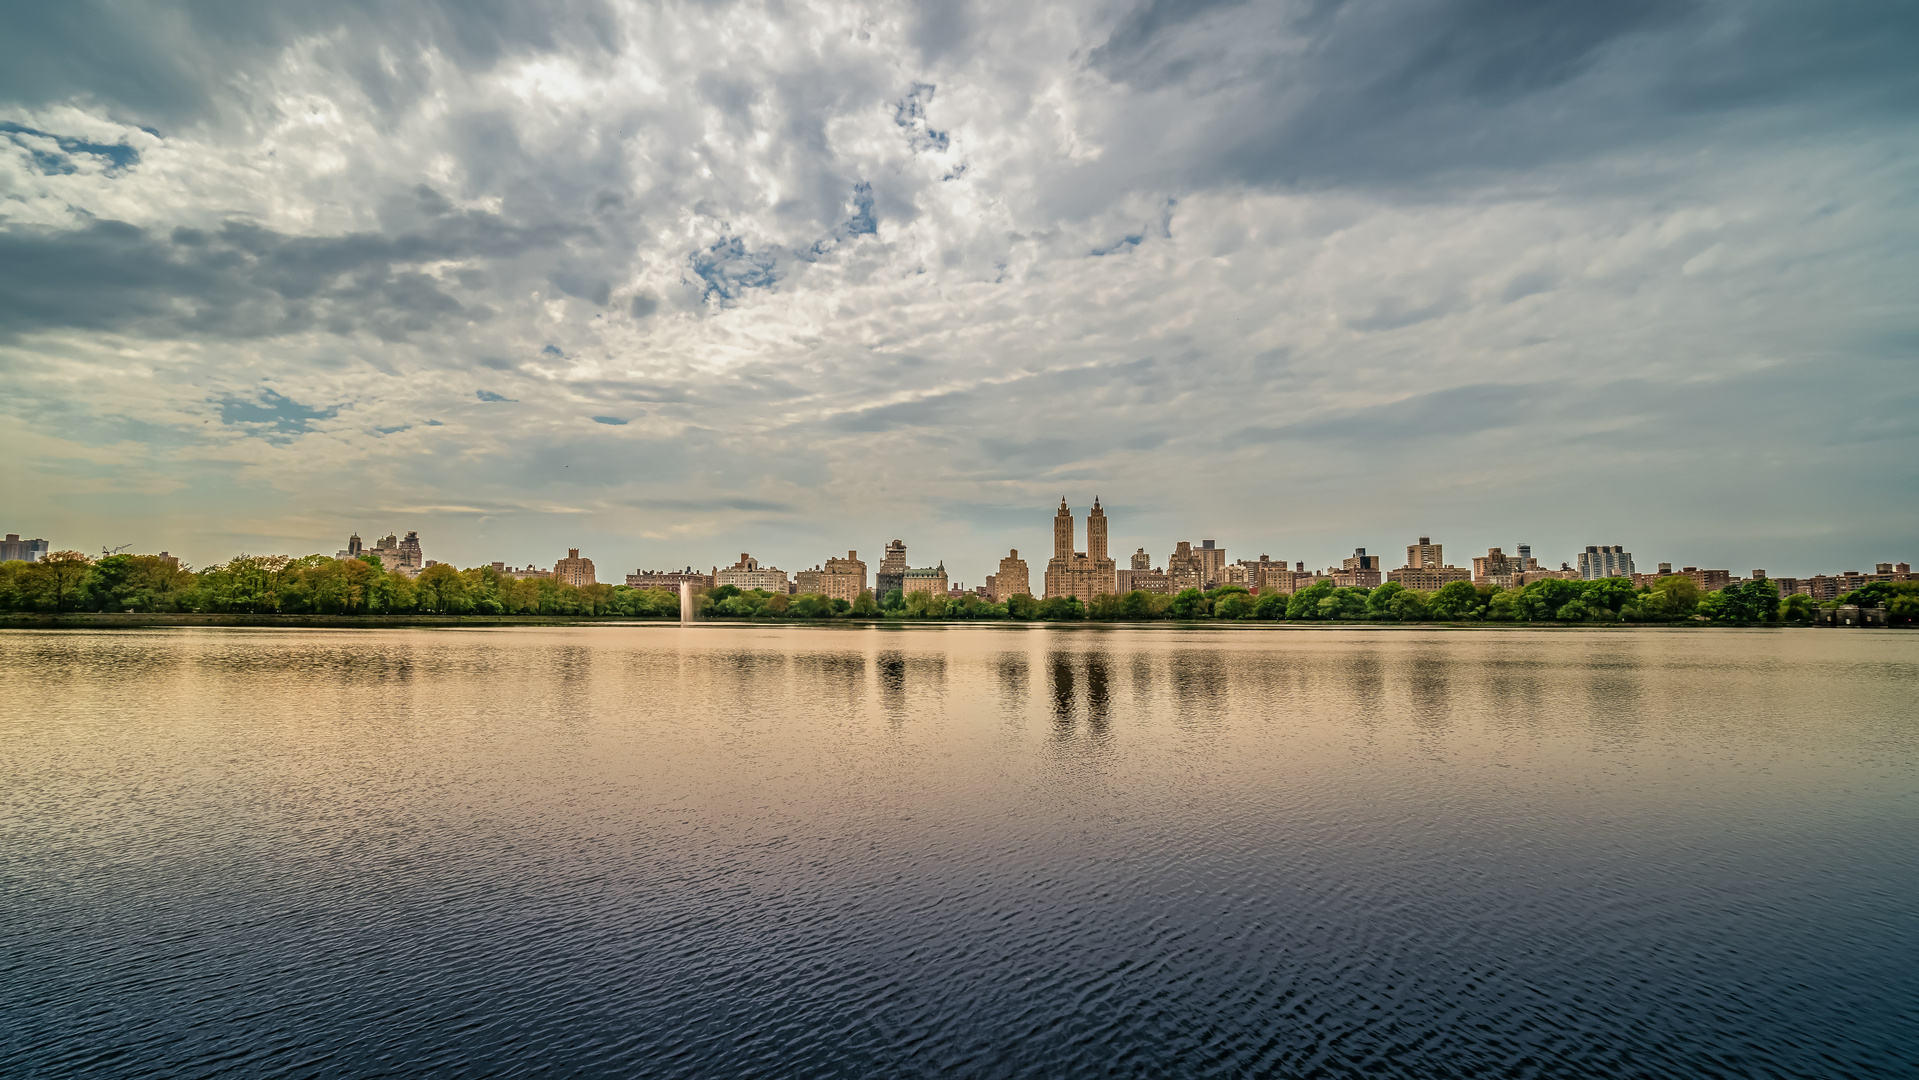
<point x="68" y="581"/>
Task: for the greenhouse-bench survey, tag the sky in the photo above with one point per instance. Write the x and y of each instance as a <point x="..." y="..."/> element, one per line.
<point x="670" y="282"/>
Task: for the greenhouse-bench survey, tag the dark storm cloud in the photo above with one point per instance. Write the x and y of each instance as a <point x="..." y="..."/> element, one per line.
<point x="174" y="62"/>
<point x="1383" y="91"/>
<point x="241" y="280"/>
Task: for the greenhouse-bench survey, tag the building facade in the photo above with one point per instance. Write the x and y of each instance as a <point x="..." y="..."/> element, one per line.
<point x="1429" y="578"/>
<point x="15" y="549"/>
<point x="930" y="580"/>
<point x="1359" y="560"/>
<point x="1145" y="580"/>
<point x="573" y="570"/>
<point x="1280" y="579"/>
<point x="839" y="579"/>
<point x="670" y="580"/>
<point x="892" y="571"/>
<point x="1184" y="569"/>
<point x="1212" y="564"/>
<point x="1084" y="574"/>
<point x="1604" y="561"/>
<point x="1012" y="579"/>
<point x="396" y="556"/>
<point x="748" y="574"/>
<point x="1425" y="555"/>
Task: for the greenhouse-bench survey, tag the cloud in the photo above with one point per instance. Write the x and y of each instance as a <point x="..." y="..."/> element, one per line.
<point x="1301" y="271"/>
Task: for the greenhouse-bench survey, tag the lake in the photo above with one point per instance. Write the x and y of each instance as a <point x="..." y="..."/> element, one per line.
<point x="995" y="850"/>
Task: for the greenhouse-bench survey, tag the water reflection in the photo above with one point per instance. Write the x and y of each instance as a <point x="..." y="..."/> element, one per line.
<point x="698" y="852"/>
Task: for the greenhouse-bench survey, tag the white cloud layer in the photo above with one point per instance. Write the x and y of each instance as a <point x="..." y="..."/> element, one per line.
<point x="668" y="282"/>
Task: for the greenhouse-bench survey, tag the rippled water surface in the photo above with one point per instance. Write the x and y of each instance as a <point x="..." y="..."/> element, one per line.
<point x="964" y="851"/>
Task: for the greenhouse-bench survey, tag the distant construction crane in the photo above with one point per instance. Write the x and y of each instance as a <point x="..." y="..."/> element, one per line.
<point x="105" y="554"/>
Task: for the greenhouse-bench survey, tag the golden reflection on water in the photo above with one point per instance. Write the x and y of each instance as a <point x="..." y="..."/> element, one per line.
<point x="732" y="850"/>
<point x="803" y="716"/>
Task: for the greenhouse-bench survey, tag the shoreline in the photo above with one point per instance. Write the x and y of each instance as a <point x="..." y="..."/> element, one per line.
<point x="93" y="620"/>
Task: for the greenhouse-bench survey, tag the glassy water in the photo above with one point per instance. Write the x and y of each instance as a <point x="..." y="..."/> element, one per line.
<point x="964" y="851"/>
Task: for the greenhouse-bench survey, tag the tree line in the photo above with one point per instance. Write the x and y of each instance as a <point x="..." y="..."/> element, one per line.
<point x="68" y="581"/>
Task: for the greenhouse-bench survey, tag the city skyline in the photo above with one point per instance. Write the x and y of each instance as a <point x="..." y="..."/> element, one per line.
<point x="979" y="565"/>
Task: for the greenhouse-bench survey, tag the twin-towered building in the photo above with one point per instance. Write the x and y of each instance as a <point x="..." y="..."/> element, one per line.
<point x="1084" y="574"/>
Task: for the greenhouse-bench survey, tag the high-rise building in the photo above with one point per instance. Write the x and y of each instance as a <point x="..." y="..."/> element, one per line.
<point x="1359" y="571"/>
<point x="1605" y="561"/>
<point x="1085" y="574"/>
<point x="1426" y="567"/>
<point x="1212" y="563"/>
<point x="1184" y="569"/>
<point x="571" y="570"/>
<point x="1425" y="554"/>
<point x="840" y="579"/>
<point x="1012" y="579"/>
<point x="1141" y="560"/>
<point x="748" y="574"/>
<point x="892" y="571"/>
<point x="1494" y="568"/>
<point x="15" y="549"/>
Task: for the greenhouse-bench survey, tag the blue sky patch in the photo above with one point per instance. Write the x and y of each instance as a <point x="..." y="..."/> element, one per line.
<point x="614" y="420"/>
<point x="488" y="395"/>
<point x="119" y="155"/>
<point x="728" y="269"/>
<point x="273" y="415"/>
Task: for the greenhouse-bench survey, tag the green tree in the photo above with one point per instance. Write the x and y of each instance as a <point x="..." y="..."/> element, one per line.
<point x="1271" y="605"/>
<point x="864" y="606"/>
<point x="1062" y="609"/>
<point x="1189" y="604"/>
<point x="1379" y="603"/>
<point x="441" y="590"/>
<point x="1797" y="608"/>
<point x="1609" y="595"/>
<point x="57" y="581"/>
<point x="1456" y="601"/>
<point x="1342" y="604"/>
<point x="893" y="601"/>
<point x="811" y="606"/>
<point x="1238" y="605"/>
<point x="1674" y="596"/>
<point x="1305" y="603"/>
<point x="1022" y="607"/>
<point x="1748" y="601"/>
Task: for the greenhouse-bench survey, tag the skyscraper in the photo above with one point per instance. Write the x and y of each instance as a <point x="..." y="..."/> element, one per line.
<point x="1424" y="554"/>
<point x="571" y="570"/>
<point x="1605" y="561"/>
<point x="1012" y="578"/>
<point x="1084" y="574"/>
<point x="892" y="571"/>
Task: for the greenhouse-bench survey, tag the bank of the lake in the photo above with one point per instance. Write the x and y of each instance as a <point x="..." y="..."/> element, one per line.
<point x="94" y="620"/>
